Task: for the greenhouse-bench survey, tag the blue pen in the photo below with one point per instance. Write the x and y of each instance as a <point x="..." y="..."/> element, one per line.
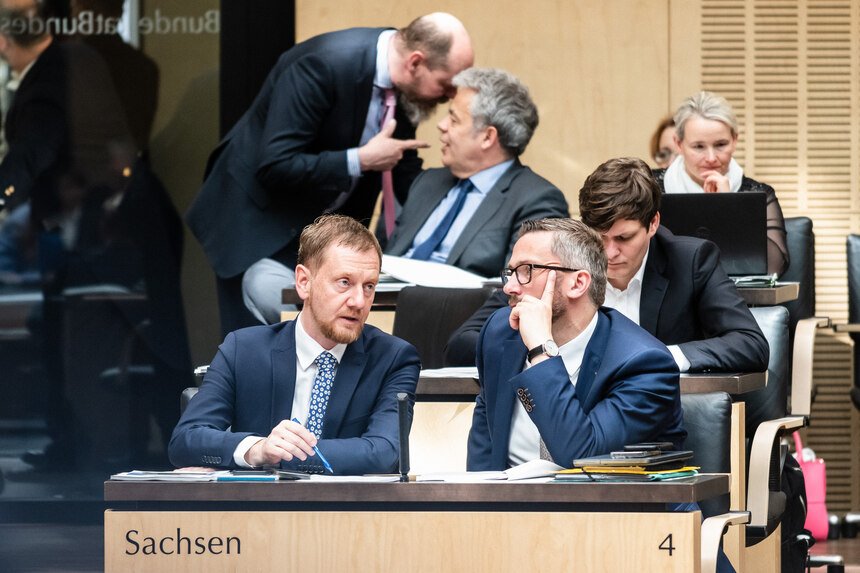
<point x="318" y="452"/>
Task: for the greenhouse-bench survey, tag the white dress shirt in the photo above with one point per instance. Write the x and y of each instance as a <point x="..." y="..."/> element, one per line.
<point x="629" y="301"/>
<point x="524" y="441"/>
<point x="307" y="350"/>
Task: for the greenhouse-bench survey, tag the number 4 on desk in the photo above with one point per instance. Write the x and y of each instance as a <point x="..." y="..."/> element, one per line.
<point x="666" y="545"/>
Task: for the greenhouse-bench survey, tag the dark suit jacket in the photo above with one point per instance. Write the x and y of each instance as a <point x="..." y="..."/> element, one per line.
<point x="249" y="387"/>
<point x="687" y="300"/>
<point x="627" y="392"/>
<point x="486" y="243"/>
<point x="64" y="119"/>
<point x="284" y="162"/>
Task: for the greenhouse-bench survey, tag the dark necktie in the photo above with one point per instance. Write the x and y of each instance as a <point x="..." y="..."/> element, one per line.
<point x="319" y="394"/>
<point x="424" y="250"/>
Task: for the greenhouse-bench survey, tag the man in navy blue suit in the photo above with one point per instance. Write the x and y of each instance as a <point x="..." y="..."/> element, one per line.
<point x="336" y="376"/>
<point x="561" y="376"/>
<point x="313" y="142"/>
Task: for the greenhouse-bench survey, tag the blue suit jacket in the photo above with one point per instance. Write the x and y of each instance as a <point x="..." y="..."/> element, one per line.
<point x="627" y="392"/>
<point x="249" y="387"/>
<point x="284" y="162"/>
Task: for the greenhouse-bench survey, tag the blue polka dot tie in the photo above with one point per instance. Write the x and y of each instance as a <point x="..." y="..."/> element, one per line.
<point x="322" y="389"/>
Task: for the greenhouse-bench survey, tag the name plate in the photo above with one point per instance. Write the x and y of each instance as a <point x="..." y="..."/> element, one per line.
<point x="210" y="541"/>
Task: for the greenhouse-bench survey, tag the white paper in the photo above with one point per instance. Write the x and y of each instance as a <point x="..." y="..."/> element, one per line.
<point x="430" y="274"/>
<point x="535" y="470"/>
<point x="355" y="479"/>
<point x="451" y="372"/>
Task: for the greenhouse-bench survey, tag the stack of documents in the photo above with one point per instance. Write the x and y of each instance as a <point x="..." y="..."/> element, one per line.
<point x="142" y="475"/>
<point x="629" y="473"/>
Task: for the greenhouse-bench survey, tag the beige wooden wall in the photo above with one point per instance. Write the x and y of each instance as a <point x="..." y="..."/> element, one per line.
<point x="603" y="74"/>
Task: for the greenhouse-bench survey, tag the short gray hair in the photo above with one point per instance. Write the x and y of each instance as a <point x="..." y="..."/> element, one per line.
<point x="503" y="102"/>
<point x="579" y="247"/>
<point x="709" y="106"/>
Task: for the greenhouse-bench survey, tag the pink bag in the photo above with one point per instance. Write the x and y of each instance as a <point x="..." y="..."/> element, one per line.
<point x="816" y="488"/>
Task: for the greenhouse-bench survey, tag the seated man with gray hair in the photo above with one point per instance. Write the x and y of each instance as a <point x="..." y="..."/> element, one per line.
<point x="467" y="213"/>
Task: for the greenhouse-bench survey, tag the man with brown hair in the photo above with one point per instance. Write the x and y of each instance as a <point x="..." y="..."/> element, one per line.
<point x="672" y="286"/>
<point x="338" y="377"/>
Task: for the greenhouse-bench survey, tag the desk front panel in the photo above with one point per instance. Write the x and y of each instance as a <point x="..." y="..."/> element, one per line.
<point x="212" y="541"/>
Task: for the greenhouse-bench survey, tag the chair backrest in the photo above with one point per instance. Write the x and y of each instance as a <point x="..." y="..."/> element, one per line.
<point x="426" y="317"/>
<point x="852" y="247"/>
<point x="186" y="397"/>
<point x="771" y="402"/>
<point x="801" y="250"/>
<point x="708" y="420"/>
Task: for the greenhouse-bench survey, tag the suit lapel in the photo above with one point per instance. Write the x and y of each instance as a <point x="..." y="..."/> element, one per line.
<point x="486" y="210"/>
<point x="363" y="90"/>
<point x="654" y="285"/>
<point x="283" y="375"/>
<point x="346" y="379"/>
<point x="586" y="391"/>
<point x="431" y="188"/>
<point x="512" y="361"/>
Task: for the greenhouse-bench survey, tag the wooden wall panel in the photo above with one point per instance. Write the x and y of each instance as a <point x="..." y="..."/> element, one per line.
<point x="790" y="69"/>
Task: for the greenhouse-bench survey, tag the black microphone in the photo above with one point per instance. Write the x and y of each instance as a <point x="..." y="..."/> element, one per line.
<point x="403" y="417"/>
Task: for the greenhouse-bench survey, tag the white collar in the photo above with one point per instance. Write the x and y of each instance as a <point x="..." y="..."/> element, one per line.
<point x="677" y="180"/>
<point x="640" y="274"/>
<point x="308" y="349"/>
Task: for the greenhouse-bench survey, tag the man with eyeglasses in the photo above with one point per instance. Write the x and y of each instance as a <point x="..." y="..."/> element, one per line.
<point x="563" y="377"/>
<point x="672" y="286"/>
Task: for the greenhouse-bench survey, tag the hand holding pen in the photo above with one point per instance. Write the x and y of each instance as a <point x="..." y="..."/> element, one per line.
<point x="319" y="453"/>
<point x="287" y="440"/>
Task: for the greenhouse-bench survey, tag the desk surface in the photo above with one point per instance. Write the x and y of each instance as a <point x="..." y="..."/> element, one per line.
<point x="731" y="383"/>
<point x="683" y="490"/>
<point x="769" y="296"/>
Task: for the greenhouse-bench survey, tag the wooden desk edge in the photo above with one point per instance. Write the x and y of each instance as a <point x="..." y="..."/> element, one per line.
<point x="677" y="491"/>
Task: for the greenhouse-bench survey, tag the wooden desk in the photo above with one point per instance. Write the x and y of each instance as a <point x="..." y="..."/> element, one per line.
<point x="309" y="526"/>
<point x="769" y="296"/>
<point x="732" y="383"/>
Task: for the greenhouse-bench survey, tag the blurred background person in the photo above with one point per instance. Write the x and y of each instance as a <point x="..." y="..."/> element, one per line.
<point x="706" y="137"/>
<point x="662" y="145"/>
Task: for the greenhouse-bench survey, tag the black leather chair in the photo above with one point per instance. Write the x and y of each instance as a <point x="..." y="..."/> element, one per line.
<point x="426" y="317"/>
<point x="708" y="420"/>
<point x="801" y="250"/>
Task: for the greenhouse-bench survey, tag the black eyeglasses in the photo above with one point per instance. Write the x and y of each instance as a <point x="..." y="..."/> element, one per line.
<point x="524" y="272"/>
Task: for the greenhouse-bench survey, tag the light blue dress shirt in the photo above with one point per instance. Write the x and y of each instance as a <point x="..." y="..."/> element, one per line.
<point x="483" y="182"/>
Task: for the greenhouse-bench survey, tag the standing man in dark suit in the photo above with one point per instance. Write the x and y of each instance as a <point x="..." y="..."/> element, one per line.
<point x="674" y="287"/>
<point x="489" y="125"/>
<point x="326" y="369"/>
<point x="561" y="376"/>
<point x="312" y="142"/>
